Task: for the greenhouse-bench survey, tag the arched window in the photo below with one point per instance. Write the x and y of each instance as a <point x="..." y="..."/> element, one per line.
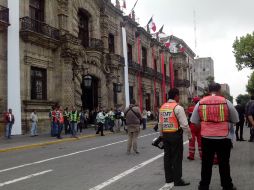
<point x="83" y="27"/>
<point x="36" y="9"/>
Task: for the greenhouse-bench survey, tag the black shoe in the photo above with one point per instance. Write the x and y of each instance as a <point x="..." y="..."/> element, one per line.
<point x="182" y="183"/>
<point x="137" y="152"/>
<point x="102" y="135"/>
<point x="202" y="188"/>
<point x="242" y="140"/>
<point x="250" y="140"/>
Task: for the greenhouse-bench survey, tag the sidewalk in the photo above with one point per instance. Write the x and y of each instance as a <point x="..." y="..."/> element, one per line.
<point x="19" y="142"/>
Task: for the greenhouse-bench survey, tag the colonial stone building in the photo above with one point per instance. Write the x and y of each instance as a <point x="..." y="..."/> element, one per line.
<point x="63" y="41"/>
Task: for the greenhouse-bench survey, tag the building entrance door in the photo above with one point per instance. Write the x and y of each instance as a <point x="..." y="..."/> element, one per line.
<point x="89" y="96"/>
<point x="148" y="102"/>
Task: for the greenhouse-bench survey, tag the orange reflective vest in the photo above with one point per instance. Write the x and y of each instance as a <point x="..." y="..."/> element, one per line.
<point x="167" y="118"/>
<point x="214" y="116"/>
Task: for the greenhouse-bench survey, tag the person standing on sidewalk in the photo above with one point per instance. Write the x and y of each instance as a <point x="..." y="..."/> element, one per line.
<point x="240" y="109"/>
<point x="117" y="120"/>
<point x="133" y="117"/>
<point x="10" y="119"/>
<point x="73" y="121"/>
<point x="172" y="122"/>
<point x="66" y="116"/>
<point x="100" y="118"/>
<point x="144" y="118"/>
<point x="215" y="114"/>
<point x="60" y="122"/>
<point x="34" y="121"/>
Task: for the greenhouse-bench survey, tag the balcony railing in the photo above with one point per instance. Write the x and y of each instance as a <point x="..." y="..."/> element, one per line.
<point x="167" y="79"/>
<point x="149" y="71"/>
<point x="4" y="15"/>
<point x="159" y="75"/>
<point x="134" y="66"/>
<point x="29" y="24"/>
<point x="182" y="83"/>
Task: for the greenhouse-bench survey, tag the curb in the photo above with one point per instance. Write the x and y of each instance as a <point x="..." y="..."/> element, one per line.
<point x="42" y="144"/>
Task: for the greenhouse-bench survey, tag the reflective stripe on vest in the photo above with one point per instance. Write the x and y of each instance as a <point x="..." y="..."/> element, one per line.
<point x="214" y="116"/>
<point x="167" y="118"/>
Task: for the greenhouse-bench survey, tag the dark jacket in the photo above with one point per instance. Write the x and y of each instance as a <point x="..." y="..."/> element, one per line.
<point x="131" y="117"/>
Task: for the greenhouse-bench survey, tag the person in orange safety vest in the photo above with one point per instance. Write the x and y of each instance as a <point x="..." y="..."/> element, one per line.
<point x="215" y="115"/>
<point x="195" y="132"/>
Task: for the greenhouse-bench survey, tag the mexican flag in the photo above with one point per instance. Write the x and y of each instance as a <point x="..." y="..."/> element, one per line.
<point x="151" y="24"/>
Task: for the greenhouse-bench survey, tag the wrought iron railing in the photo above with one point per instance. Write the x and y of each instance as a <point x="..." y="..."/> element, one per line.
<point x="159" y="75"/>
<point x="29" y="24"/>
<point x="134" y="66"/>
<point x="167" y="79"/>
<point x="4" y="14"/>
<point x="149" y="71"/>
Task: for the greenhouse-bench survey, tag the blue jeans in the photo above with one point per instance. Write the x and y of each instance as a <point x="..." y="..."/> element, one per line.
<point x="144" y="123"/>
<point x="74" y="129"/>
<point x="34" y="129"/>
<point x="8" y="130"/>
<point x="54" y="129"/>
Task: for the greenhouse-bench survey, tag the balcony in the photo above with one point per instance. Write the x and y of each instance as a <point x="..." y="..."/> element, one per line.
<point x="147" y="71"/>
<point x="134" y="66"/>
<point x="182" y="83"/>
<point x="39" y="33"/>
<point x="4" y="18"/>
<point x="159" y="76"/>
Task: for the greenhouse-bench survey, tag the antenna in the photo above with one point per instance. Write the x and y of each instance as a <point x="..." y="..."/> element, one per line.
<point x="195" y="30"/>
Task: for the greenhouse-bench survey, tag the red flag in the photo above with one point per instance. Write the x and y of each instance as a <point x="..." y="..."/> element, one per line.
<point x="151" y="24"/>
<point x="167" y="44"/>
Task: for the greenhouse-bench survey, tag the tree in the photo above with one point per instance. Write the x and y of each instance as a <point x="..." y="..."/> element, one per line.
<point x="210" y="79"/>
<point x="250" y="85"/>
<point x="243" y="99"/>
<point x="244" y="51"/>
<point x="227" y="96"/>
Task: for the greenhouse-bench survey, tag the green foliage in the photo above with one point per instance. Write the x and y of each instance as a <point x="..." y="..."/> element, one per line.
<point x="243" y="99"/>
<point x="244" y="51"/>
<point x="210" y="79"/>
<point x="250" y="85"/>
<point x="227" y="96"/>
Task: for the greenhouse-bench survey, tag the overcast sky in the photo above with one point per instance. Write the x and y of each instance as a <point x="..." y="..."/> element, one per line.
<point x="218" y="23"/>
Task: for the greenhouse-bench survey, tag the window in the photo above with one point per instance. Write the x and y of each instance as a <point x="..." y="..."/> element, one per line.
<point x="144" y="57"/>
<point x="129" y="52"/>
<point x="38" y="83"/>
<point x="155" y="65"/>
<point x="115" y="93"/>
<point x="131" y="92"/>
<point x="36" y="9"/>
<point x="111" y="43"/>
<point x="176" y="74"/>
<point x="83" y="35"/>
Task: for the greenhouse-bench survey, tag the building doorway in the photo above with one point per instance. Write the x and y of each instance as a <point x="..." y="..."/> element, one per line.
<point x="89" y="96"/>
<point x="148" y="102"/>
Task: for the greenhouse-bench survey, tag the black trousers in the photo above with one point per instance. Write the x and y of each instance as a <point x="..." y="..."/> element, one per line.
<point x="173" y="156"/>
<point x="222" y="148"/>
<point x="239" y="125"/>
<point x="100" y="129"/>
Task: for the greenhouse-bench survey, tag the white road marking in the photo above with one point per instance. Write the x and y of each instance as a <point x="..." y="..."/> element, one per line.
<point x="127" y="172"/>
<point x="24" y="178"/>
<point x="183" y="143"/>
<point x="67" y="155"/>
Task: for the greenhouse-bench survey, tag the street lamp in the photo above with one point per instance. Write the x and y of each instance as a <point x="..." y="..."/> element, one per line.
<point x="118" y="87"/>
<point x="86" y="78"/>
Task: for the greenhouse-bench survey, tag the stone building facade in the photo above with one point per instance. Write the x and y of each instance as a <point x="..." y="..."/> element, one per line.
<point x="62" y="41"/>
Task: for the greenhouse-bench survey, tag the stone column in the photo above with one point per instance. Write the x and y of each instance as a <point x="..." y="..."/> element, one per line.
<point x="13" y="65"/>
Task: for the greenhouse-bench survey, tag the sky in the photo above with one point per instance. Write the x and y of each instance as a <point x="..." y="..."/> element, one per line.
<point x="218" y="23"/>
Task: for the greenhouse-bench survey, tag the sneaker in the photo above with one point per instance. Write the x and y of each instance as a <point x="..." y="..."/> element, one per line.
<point x="182" y="183"/>
<point x="167" y="186"/>
<point x="137" y="152"/>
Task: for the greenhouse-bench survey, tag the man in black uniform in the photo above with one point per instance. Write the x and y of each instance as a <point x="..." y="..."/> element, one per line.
<point x="240" y="109"/>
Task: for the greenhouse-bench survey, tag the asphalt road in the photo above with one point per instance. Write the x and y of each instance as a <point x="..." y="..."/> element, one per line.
<point x="102" y="163"/>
